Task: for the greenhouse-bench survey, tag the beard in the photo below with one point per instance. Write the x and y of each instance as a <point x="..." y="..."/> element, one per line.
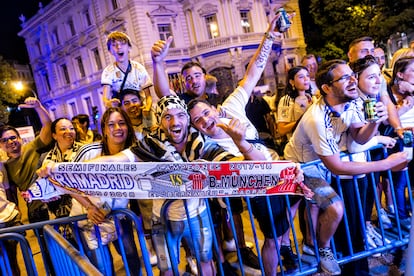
<point x="342" y="95"/>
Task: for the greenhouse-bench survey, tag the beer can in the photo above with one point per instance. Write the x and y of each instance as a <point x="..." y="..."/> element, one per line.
<point x="283" y="23"/>
<point x="369" y="108"/>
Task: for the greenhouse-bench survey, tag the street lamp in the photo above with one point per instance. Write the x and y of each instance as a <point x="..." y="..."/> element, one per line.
<point x="19" y="86"/>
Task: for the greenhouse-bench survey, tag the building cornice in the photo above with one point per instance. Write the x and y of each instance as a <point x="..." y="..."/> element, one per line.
<point x="42" y="16"/>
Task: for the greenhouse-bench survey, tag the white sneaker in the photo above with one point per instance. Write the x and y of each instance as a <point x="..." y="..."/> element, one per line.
<point x="378" y="236"/>
<point x="328" y="262"/>
<point x="391" y="209"/>
<point x="374" y="235"/>
<point x="370" y="241"/>
<point x="386" y="222"/>
<point x="152" y="255"/>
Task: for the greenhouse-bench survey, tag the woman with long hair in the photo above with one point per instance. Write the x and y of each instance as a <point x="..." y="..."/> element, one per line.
<point x="298" y="97"/>
<point x="64" y="149"/>
<point x="290" y="109"/>
<point x="117" y="135"/>
<point x="403" y="71"/>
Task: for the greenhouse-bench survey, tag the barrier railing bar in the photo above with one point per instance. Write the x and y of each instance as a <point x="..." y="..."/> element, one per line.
<point x="81" y="261"/>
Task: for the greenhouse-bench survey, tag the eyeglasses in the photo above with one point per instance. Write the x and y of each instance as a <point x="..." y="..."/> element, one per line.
<point x="345" y="78"/>
<point x="5" y="140"/>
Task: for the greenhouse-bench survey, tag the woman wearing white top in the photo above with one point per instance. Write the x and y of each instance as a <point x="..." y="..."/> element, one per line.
<point x="118" y="134"/>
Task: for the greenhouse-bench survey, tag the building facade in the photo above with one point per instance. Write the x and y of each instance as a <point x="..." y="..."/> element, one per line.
<point x="66" y="43"/>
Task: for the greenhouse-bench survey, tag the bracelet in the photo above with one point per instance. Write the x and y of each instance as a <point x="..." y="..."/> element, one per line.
<point x="249" y="150"/>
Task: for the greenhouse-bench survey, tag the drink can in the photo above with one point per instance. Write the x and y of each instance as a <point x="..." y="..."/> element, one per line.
<point x="369" y="108"/>
<point x="283" y="23"/>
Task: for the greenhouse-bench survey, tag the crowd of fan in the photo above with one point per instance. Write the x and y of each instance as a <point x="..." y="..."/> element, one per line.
<point x="319" y="114"/>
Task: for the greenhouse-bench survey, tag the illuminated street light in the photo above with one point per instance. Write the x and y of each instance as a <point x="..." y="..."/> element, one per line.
<point x="19" y="86"/>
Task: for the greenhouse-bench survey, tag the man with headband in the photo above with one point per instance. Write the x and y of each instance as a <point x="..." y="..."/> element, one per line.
<point x="175" y="140"/>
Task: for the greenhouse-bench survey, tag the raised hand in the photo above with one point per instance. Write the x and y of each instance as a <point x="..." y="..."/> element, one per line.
<point x="160" y="49"/>
<point x="30" y="102"/>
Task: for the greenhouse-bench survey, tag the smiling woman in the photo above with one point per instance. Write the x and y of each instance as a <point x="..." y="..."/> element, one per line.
<point x="64" y="149"/>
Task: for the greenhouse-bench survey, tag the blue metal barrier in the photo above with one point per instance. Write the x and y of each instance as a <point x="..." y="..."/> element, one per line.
<point x="65" y="258"/>
<point x="117" y="215"/>
<point x="397" y="236"/>
<point x="393" y="238"/>
<point x="25" y="248"/>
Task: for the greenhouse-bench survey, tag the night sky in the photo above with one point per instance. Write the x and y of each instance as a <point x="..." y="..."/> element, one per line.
<point x="12" y="47"/>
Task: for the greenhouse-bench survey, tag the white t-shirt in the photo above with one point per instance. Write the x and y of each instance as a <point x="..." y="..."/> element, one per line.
<point x="8" y="209"/>
<point x="234" y="107"/>
<point x="321" y="131"/>
<point x="137" y="79"/>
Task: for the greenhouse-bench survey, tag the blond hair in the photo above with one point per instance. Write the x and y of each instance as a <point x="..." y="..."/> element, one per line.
<point x="117" y="36"/>
<point x="400" y="53"/>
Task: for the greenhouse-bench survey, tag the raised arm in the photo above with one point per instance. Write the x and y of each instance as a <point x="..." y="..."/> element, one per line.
<point x="339" y="167"/>
<point x="158" y="52"/>
<point x="258" y="61"/>
<point x="46" y="131"/>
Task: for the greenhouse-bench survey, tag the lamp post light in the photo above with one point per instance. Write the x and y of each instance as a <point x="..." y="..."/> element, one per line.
<point x="22" y="88"/>
<point x="19" y="86"/>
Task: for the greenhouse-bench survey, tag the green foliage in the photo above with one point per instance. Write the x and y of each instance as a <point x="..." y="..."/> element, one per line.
<point x="339" y="22"/>
<point x="329" y="51"/>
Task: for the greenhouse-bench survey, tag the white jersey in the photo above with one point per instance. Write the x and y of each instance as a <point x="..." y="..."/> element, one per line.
<point x="137" y="79"/>
<point x="291" y="110"/>
<point x="85" y="153"/>
<point x="322" y="131"/>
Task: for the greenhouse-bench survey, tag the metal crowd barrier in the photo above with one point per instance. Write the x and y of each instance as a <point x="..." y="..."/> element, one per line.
<point x="65" y="258"/>
<point x="397" y="236"/>
<point x="53" y="261"/>
<point x="5" y="267"/>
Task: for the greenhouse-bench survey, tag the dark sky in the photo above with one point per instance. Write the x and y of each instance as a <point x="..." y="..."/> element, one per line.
<point x="12" y="47"/>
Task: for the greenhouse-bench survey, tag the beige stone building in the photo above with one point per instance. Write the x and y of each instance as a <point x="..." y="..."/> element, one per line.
<point x="66" y="42"/>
